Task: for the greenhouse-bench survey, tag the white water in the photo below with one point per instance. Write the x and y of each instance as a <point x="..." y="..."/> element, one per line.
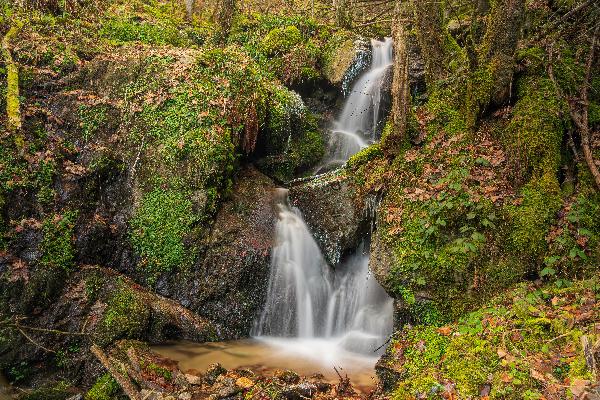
<point x="312" y="310"/>
<point x="358" y="123"/>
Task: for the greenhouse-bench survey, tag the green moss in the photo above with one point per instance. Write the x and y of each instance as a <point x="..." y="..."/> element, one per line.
<point x="281" y="40"/>
<point x="501" y="346"/>
<point x="105" y="388"/>
<point x="158" y="230"/>
<point x="13" y="102"/>
<point x="126" y="317"/>
<point x="57" y="244"/>
<point x="291" y="142"/>
<point x="60" y="391"/>
<point x="123" y="30"/>
<point x="91" y="119"/>
<point x="445" y="107"/>
<point x="531" y="221"/>
<point x="534" y="134"/>
<point x="365" y="155"/>
<point x="159" y="371"/>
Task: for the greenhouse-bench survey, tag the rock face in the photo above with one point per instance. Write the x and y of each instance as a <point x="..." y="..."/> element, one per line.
<point x="93" y="305"/>
<point x="229" y="283"/>
<point x="336" y="219"/>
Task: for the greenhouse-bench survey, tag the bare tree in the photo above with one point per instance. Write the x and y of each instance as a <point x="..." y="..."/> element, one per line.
<point x="392" y="142"/>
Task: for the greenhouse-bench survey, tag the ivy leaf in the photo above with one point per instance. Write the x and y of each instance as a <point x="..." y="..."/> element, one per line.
<point x="584" y="232"/>
<point x="549" y="261"/>
<point x="547" y="271"/>
<point x="577" y="252"/>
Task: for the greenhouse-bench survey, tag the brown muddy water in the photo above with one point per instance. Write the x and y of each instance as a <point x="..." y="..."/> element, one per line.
<point x="304" y="356"/>
<point x="5" y="391"/>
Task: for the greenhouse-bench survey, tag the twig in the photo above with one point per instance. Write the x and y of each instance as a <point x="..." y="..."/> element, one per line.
<point x="34" y="342"/>
<point x="386" y="342"/>
<point x="558" y="337"/>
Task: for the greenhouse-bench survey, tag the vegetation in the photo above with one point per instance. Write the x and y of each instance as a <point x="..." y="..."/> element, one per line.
<point x="126" y="126"/>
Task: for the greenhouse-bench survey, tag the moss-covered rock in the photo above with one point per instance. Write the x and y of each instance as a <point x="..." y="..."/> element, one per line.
<point x="105" y="388"/>
<point x="291" y="141"/>
<point x="521" y="345"/>
<point x="344" y="58"/>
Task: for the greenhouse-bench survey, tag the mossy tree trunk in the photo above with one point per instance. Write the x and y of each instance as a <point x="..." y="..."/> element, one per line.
<point x="392" y="141"/>
<point x="431" y="34"/>
<point x="225" y="12"/>
<point x="189" y="8"/>
<point x="342" y="13"/>
<point x="477" y="29"/>
<point x="13" y="106"/>
<point x="490" y="82"/>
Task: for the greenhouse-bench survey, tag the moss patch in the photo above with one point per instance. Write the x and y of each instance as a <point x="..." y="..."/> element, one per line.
<point x="158" y="230"/>
<point x="521" y="344"/>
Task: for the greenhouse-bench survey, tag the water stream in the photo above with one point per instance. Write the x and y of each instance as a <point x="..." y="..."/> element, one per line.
<point x="360" y="121"/>
<point x="315" y="317"/>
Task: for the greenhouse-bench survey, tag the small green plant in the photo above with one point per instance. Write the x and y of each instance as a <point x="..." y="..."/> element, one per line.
<point x="57" y="243"/>
<point x="105" y="388"/>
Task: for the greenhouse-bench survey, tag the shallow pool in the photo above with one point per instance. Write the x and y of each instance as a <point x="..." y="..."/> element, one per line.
<point x="304" y="356"/>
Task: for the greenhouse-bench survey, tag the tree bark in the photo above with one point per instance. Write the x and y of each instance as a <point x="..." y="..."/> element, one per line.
<point x="581" y="118"/>
<point x="492" y="74"/>
<point x="225" y="12"/>
<point x="13" y="106"/>
<point x="392" y="141"/>
<point x="431" y="35"/>
<point x="342" y="14"/>
<point x="189" y="8"/>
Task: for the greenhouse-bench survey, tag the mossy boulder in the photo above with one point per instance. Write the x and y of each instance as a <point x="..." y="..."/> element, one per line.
<point x="228" y="283"/>
<point x="291" y="142"/>
<point x="344" y="58"/>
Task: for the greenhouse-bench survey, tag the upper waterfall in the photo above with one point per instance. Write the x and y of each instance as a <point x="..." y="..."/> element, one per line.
<point x="360" y="119"/>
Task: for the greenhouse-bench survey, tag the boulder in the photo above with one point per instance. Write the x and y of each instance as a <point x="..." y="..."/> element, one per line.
<point x="337" y="220"/>
<point x="228" y="283"/>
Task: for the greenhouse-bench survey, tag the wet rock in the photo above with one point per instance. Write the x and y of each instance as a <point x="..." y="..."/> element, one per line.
<point x="388" y="370"/>
<point x="244" y="383"/>
<point x="335" y="217"/>
<point x="287" y="376"/>
<point x="228" y="284"/>
<point x="347" y="56"/>
<point x="213" y="372"/>
<point x="300" y="391"/>
<point x="193" y="379"/>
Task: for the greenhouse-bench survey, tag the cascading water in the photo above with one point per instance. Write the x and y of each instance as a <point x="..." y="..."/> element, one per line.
<point x="312" y="309"/>
<point x="359" y="122"/>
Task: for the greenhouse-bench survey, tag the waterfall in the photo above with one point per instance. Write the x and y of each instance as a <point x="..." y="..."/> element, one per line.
<point x="360" y="119"/>
<point x="335" y="311"/>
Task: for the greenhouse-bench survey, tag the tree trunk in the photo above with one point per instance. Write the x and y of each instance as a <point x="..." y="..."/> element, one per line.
<point x="490" y="82"/>
<point x="13" y="110"/>
<point x="225" y="12"/>
<point x="431" y="35"/>
<point x="342" y="14"/>
<point x="189" y="8"/>
<point x="480" y="10"/>
<point x="392" y="141"/>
